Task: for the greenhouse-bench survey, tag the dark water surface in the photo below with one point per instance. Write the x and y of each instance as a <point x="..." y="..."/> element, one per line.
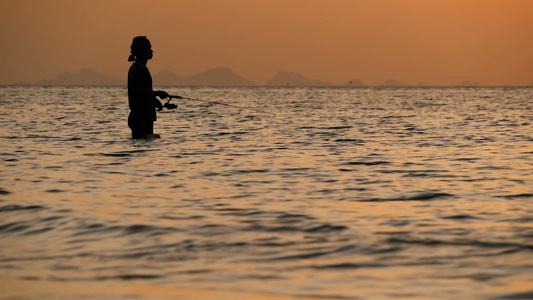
<point x="338" y="194"/>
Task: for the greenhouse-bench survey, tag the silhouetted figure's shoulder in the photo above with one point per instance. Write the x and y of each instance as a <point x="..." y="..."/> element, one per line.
<point x="139" y="72"/>
<point x="139" y="79"/>
<point x="138" y="67"/>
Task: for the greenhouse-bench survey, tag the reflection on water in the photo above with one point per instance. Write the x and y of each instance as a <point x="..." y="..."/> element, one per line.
<point x="340" y="194"/>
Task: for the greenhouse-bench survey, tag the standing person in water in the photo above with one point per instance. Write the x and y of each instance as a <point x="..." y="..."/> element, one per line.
<point x="141" y="96"/>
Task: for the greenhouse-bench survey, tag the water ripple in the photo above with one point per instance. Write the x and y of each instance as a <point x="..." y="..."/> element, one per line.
<point x="340" y="193"/>
<point x="417" y="197"/>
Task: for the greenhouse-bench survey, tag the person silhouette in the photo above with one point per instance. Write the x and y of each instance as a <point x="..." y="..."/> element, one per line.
<point x="141" y="96"/>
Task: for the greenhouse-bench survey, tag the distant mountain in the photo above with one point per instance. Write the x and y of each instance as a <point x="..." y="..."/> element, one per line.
<point x="294" y="79"/>
<point x="392" y="83"/>
<point x="213" y="77"/>
<point x="82" y="77"/>
<point x="166" y="78"/>
<point x="355" y="82"/>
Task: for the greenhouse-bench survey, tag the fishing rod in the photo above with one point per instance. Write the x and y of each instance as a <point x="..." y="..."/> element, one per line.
<point x="172" y="106"/>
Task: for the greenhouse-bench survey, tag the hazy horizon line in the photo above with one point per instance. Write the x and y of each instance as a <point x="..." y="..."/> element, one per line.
<point x="359" y="83"/>
<point x="271" y="86"/>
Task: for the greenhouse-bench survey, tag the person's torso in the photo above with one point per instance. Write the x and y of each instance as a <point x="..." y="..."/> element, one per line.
<point x="139" y="82"/>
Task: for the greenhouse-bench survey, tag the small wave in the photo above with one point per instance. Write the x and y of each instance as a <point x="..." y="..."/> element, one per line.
<point x="13" y="227"/>
<point x="297" y="169"/>
<point x="376" y="182"/>
<point x="193" y="217"/>
<point x="519" y="220"/>
<point x="117" y="154"/>
<point x="469" y="159"/>
<point x="417" y="197"/>
<point x="233" y="133"/>
<point x="337" y="127"/>
<point x="251" y="171"/>
<point x="492" y="168"/>
<point x="197" y="153"/>
<point x="124" y="230"/>
<point x="346" y="266"/>
<point x="428" y="175"/>
<point x="481" y="244"/>
<point x="160" y="175"/>
<point x="301" y="256"/>
<point x="478" y="179"/>
<point x="414" y="172"/>
<point x="357" y="189"/>
<point x="260" y="277"/>
<point x="54" y="167"/>
<point x="37" y="231"/>
<point x="477" y="276"/>
<point x="525" y="195"/>
<point x="516" y="296"/>
<point x="132" y="229"/>
<point x="314" y="254"/>
<point x="113" y="172"/>
<point x="287" y="216"/>
<point x="366" y="163"/>
<point x="130" y="277"/>
<point x="240" y="212"/>
<point x="358" y="141"/>
<point x="324" y="228"/>
<point x="36" y="136"/>
<point x="55" y="191"/>
<point x="147" y="229"/>
<point x="460" y="217"/>
<point x="52" y="218"/>
<point x="15" y="207"/>
<point x="210" y="174"/>
<point x="326" y="128"/>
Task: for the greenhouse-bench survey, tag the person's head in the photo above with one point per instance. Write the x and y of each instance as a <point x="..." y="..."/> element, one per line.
<point x="141" y="49"/>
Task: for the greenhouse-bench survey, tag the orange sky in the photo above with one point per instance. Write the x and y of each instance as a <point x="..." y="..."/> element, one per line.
<point x="438" y="42"/>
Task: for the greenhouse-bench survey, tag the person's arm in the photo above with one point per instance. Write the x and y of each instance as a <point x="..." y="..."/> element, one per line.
<point x="160" y="94"/>
<point x="148" y="93"/>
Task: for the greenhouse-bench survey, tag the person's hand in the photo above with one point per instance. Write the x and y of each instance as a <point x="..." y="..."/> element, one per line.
<point x="162" y="94"/>
<point x="170" y="105"/>
<point x="158" y="105"/>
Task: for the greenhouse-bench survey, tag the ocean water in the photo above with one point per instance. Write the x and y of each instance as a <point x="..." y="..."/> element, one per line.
<point x="309" y="193"/>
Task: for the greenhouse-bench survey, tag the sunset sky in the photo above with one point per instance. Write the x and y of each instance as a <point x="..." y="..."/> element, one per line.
<point x="438" y="42"/>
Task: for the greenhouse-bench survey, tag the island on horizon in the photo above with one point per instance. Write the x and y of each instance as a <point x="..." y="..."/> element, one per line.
<point x="217" y="77"/>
